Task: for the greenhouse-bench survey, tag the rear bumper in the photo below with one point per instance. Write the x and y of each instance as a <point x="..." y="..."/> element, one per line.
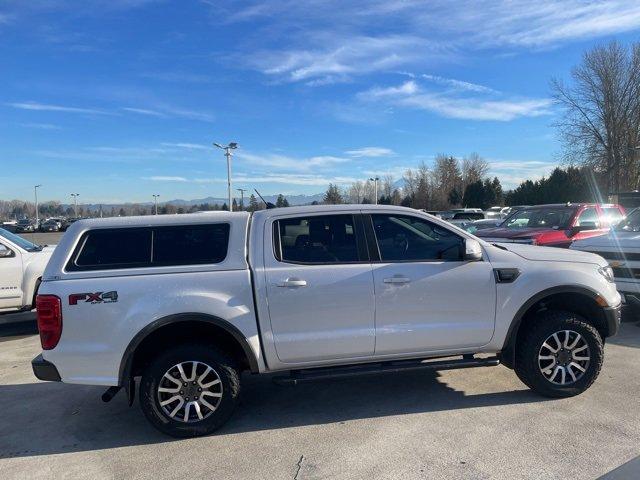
<point x="613" y="316"/>
<point x="44" y="370"/>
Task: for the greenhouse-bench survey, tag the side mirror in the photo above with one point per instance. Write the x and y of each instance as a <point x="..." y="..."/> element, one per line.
<point x="5" y="252"/>
<point x="472" y="250"/>
<point x="583" y="228"/>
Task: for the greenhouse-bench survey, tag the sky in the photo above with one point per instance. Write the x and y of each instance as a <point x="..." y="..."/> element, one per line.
<point x="117" y="100"/>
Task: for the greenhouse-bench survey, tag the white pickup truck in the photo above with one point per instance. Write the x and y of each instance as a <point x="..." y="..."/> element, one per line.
<point x="188" y="302"/>
<point x="621" y="248"/>
<point x="21" y="267"/>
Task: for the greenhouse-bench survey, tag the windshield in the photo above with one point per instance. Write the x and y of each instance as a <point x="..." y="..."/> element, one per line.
<point x="540" y="218"/>
<point x="21" y="242"/>
<point x="631" y="223"/>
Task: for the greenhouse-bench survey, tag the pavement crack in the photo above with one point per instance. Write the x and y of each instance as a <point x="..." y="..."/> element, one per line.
<point x="295" y="477"/>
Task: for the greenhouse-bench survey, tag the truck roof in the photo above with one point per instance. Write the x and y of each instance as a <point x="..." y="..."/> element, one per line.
<point x="146" y="220"/>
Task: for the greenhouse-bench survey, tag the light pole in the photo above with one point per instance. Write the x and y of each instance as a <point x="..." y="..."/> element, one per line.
<point x="375" y="188"/>
<point x="35" y="191"/>
<point x="155" y="201"/>
<point x="228" y="154"/>
<point x="75" y="204"/>
<point x="241" y="190"/>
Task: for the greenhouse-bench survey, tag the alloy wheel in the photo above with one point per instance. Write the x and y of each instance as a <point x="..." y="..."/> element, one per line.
<point x="564" y="357"/>
<point x="190" y="391"/>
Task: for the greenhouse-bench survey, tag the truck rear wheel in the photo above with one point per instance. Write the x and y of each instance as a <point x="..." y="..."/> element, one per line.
<point x="559" y="355"/>
<point x="189" y="390"/>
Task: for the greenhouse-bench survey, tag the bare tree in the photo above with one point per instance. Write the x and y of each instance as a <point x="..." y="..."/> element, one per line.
<point x="600" y="127"/>
<point x="355" y="193"/>
<point x="474" y="168"/>
<point x="447" y="178"/>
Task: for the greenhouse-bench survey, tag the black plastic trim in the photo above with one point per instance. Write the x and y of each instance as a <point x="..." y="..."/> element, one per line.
<point x="127" y="358"/>
<point x="45" y="370"/>
<point x="508" y="350"/>
<point x="613" y="315"/>
<point x="506" y="275"/>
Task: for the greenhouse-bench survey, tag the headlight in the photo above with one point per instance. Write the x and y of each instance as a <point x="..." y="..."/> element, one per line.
<point x="606" y="272"/>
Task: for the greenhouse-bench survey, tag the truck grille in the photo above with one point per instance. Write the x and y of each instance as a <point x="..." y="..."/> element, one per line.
<point x="617" y="255"/>
<point x="625" y="272"/>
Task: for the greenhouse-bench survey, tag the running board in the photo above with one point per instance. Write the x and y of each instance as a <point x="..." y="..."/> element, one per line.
<point x="309" y="375"/>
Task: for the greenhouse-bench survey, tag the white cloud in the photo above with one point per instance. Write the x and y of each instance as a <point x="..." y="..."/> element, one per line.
<point x="44" y="107"/>
<point x="162" y="178"/>
<point x="467" y="105"/>
<point x="144" y="111"/>
<point x="341" y="40"/>
<point x="370" y="152"/>
<point x="166" y="111"/>
<point x="344" y="57"/>
<point x="188" y="146"/>
<point x="41" y="126"/>
<point x="283" y="162"/>
<point x="513" y="172"/>
<point x="458" y="84"/>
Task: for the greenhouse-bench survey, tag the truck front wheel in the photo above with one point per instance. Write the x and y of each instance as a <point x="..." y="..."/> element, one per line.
<point x="189" y="390"/>
<point x="559" y="354"/>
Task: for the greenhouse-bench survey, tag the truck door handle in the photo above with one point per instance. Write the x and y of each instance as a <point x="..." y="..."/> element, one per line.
<point x="397" y="279"/>
<point x="293" y="282"/>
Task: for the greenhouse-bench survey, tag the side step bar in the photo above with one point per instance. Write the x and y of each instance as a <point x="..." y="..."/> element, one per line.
<point x="308" y="375"/>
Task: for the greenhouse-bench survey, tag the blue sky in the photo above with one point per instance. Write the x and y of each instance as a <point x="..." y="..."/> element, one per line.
<point x="119" y="99"/>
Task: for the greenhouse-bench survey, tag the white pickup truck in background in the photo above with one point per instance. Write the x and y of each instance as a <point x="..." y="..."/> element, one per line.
<point x="621" y="248"/>
<point x="188" y="302"/>
<point x="21" y="267"/>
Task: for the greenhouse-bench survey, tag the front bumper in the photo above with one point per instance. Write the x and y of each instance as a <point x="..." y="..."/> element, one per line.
<point x="613" y="318"/>
<point x="44" y="370"/>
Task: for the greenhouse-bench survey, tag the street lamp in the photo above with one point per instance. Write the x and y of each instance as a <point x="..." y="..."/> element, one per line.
<point x="35" y="191"/>
<point x="241" y="190"/>
<point x="155" y="201"/>
<point x="228" y="154"/>
<point x="375" y="188"/>
<point x="75" y="204"/>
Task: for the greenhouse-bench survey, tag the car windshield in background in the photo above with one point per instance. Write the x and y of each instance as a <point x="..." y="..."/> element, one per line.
<point x="557" y="218"/>
<point x="18" y="240"/>
<point x="631" y="223"/>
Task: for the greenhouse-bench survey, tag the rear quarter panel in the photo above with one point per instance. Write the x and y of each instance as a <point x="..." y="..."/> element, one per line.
<point x="96" y="335"/>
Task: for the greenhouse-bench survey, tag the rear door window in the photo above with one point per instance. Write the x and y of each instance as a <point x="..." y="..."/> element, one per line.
<point x="317" y="239"/>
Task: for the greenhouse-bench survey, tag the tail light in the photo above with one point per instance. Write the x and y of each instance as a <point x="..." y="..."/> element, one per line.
<point x="49" y="310"/>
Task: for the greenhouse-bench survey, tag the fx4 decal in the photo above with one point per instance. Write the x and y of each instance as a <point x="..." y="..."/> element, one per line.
<point x="98" y="297"/>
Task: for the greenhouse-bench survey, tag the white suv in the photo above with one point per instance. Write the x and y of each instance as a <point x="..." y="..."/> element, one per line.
<point x="187" y="302"/>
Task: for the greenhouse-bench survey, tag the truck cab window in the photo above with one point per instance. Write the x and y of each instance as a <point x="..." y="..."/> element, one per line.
<point x="405" y="238"/>
<point x="317" y="239"/>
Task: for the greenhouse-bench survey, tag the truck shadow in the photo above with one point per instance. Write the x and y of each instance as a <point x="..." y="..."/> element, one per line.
<point x="50" y="418"/>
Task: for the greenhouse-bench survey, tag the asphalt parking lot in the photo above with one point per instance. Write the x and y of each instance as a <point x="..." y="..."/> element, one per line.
<point x="43" y="238"/>
<point x="477" y="423"/>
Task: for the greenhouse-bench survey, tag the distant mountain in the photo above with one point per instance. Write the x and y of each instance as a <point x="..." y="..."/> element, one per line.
<point x="178" y="202"/>
<point x="293" y="200"/>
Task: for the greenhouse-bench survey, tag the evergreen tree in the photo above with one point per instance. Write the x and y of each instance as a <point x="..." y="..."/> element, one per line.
<point x="253" y="203"/>
<point x="332" y="196"/>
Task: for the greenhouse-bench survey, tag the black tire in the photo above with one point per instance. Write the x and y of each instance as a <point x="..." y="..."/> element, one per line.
<point x="222" y="364"/>
<point x="529" y="347"/>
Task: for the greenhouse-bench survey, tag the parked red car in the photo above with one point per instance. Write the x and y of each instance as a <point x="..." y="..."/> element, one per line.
<point x="555" y="225"/>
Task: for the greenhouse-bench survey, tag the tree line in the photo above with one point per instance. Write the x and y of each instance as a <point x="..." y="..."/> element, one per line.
<point x="451" y="182"/>
<point x="15" y="209"/>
